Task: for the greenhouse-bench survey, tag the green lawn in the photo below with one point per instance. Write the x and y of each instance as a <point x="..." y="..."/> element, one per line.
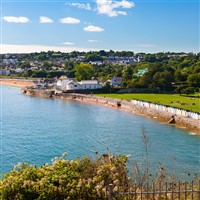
<point x="174" y="100"/>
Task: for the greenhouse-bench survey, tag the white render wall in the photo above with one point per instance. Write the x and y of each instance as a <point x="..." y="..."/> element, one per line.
<point x="91" y="86"/>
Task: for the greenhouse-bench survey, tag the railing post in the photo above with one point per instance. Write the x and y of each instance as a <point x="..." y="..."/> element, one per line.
<point x="166" y="190"/>
<point x="199" y="190"/>
<point x="110" y="192"/>
<point x="185" y="190"/>
<point x="192" y="190"/>
<point x="179" y="191"/>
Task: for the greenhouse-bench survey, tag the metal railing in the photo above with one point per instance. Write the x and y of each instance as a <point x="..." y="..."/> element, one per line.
<point x="160" y="191"/>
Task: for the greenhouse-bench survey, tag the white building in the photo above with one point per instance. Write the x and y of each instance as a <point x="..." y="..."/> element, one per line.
<point x="66" y="84"/>
<point x="19" y="70"/>
<point x="73" y="85"/>
<point x="90" y="84"/>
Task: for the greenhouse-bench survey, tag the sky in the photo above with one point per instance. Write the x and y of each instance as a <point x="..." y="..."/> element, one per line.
<point x="89" y="25"/>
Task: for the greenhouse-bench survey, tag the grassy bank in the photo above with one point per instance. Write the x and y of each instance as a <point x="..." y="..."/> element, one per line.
<point x="174" y="100"/>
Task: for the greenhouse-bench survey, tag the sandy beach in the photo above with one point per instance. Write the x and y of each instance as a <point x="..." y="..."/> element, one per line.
<point x="17" y="82"/>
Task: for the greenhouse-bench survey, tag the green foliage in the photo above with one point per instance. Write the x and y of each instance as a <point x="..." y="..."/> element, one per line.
<point x="84" y="178"/>
<point x="183" y="68"/>
<point x="127" y="73"/>
<point x="84" y="71"/>
<point x="93" y="57"/>
<point x="194" y="80"/>
<point x="163" y="80"/>
<point x="188" y="90"/>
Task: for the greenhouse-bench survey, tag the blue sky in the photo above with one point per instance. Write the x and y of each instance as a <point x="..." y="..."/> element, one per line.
<point x="139" y="26"/>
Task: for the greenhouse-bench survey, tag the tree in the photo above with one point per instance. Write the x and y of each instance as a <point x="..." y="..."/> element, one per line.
<point x="145" y="80"/>
<point x="127" y="73"/>
<point x="163" y="80"/>
<point x="194" y="80"/>
<point x="84" y="71"/>
<point x="188" y="90"/>
<point x="179" y="89"/>
<point x="180" y="76"/>
<point x="93" y="57"/>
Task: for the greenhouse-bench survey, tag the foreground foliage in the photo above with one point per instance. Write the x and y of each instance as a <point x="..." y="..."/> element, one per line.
<point x="76" y="179"/>
<point x="90" y="179"/>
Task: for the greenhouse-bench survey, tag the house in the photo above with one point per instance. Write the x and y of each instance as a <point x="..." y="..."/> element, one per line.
<point x="90" y="84"/>
<point x="62" y="82"/>
<point x="72" y="85"/>
<point x="19" y="70"/>
<point x="40" y="84"/>
<point x="66" y="84"/>
<point x="116" y="81"/>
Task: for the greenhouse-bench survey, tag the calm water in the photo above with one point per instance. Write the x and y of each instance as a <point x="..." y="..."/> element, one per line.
<point x="35" y="130"/>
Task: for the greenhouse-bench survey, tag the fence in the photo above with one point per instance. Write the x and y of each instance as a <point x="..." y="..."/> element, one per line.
<point x="172" y="110"/>
<point x="159" y="191"/>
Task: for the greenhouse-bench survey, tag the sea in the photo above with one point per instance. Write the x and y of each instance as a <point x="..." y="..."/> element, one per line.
<point x="36" y="130"/>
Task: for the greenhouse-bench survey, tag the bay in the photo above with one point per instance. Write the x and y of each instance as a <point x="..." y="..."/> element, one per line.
<point x="35" y="130"/>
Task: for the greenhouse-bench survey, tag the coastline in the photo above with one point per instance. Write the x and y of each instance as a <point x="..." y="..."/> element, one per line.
<point x="191" y="125"/>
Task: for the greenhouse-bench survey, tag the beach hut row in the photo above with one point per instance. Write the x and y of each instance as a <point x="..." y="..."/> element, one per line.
<point x="172" y="110"/>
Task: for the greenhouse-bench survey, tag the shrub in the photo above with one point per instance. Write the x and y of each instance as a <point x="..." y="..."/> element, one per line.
<point x="84" y="178"/>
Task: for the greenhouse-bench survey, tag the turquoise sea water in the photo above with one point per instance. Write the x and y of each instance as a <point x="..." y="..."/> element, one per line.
<point x="35" y="130"/>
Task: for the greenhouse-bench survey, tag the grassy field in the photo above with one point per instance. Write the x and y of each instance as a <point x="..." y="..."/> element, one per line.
<point x="174" y="100"/>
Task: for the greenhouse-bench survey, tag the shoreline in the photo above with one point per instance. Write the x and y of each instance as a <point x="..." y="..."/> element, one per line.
<point x="17" y="82"/>
<point x="191" y="125"/>
<point x="162" y="117"/>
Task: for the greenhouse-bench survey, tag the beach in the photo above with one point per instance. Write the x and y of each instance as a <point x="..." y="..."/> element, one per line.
<point x="17" y="82"/>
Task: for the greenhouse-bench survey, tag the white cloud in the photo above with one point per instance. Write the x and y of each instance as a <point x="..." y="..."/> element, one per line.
<point x="122" y="13"/>
<point x="68" y="43"/>
<point x="12" y="19"/>
<point x="69" y="20"/>
<point x="9" y="48"/>
<point x="44" y="20"/>
<point x="86" y="6"/>
<point x="93" y="29"/>
<point x="124" y="4"/>
<point x="109" y="7"/>
<point x="94" y="41"/>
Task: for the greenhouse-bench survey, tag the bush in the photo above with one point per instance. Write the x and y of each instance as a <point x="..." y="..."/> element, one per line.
<point x="84" y="178"/>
